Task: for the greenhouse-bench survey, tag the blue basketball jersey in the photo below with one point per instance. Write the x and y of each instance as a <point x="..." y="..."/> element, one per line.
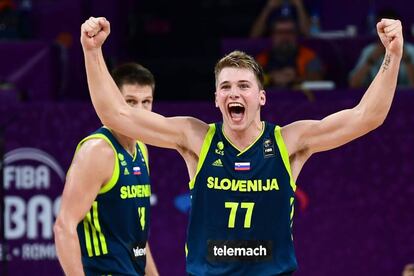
<point x="114" y="233"/>
<point x="242" y="207"/>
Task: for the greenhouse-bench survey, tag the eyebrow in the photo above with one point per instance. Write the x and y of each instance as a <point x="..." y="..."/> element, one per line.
<point x="240" y="81"/>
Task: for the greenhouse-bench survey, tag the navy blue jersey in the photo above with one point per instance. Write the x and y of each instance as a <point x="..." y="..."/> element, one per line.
<point x="242" y="207"/>
<point x="114" y="233"/>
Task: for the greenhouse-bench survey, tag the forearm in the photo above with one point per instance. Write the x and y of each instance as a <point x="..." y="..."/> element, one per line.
<point x="68" y="251"/>
<point x="150" y="268"/>
<point x="105" y="95"/>
<point x="376" y="102"/>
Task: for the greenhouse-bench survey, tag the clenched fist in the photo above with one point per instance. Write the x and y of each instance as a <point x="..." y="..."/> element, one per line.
<point x="94" y="32"/>
<point x="390" y="33"/>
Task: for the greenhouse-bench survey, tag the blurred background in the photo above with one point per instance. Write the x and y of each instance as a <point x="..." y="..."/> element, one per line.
<point x="355" y="204"/>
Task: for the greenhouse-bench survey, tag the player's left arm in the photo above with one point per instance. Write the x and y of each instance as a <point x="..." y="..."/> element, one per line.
<point x="150" y="268"/>
<point x="311" y="136"/>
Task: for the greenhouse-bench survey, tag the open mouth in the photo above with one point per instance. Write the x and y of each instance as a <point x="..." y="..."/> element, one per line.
<point x="236" y="111"/>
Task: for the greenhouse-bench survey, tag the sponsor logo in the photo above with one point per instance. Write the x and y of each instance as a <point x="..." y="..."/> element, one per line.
<point x="220" y="148"/>
<point x="136" y="170"/>
<point x="218" y="163"/>
<point x="229" y="251"/>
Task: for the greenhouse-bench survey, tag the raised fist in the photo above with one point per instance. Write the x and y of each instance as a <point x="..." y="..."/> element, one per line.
<point x="390" y="33"/>
<point x="94" y="32"/>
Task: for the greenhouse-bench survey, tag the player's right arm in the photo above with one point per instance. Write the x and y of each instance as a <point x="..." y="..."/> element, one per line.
<point x="146" y="126"/>
<point x="90" y="169"/>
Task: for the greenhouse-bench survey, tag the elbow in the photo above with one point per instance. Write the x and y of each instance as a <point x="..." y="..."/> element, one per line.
<point x="111" y="117"/>
<point x="373" y="121"/>
<point x="61" y="229"/>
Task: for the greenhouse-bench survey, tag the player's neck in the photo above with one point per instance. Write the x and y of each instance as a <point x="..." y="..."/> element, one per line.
<point x="244" y="138"/>
<point x="127" y="143"/>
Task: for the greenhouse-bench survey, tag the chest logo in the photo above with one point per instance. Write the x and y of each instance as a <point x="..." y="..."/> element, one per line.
<point x="122" y="159"/>
<point x="218" y="163"/>
<point x="126" y="172"/>
<point x="242" y="166"/>
<point x="136" y="170"/>
<point x="268" y="148"/>
<point x="220" y="148"/>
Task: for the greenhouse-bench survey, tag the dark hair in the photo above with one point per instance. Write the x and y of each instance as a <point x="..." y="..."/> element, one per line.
<point x="133" y="73"/>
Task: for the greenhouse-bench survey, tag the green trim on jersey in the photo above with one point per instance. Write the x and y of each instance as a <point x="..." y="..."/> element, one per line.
<point x="251" y="145"/>
<point x="204" y="150"/>
<point x="92" y="221"/>
<point x="285" y="155"/>
<point x="115" y="174"/>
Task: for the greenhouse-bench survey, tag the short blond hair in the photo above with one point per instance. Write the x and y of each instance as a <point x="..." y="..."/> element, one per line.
<point x="239" y="59"/>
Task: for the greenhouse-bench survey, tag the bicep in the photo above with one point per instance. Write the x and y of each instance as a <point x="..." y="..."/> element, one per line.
<point x="91" y="166"/>
<point x="313" y="136"/>
<point x="154" y="129"/>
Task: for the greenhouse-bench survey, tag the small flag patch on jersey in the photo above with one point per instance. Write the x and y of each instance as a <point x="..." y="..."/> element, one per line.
<point x="218" y="163"/>
<point x="137" y="170"/>
<point x="242" y="166"/>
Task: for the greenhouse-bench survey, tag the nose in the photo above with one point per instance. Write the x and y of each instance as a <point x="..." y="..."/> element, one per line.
<point x="234" y="93"/>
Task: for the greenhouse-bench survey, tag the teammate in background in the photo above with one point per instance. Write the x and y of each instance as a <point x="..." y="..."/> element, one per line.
<point x="243" y="170"/>
<point x="103" y="222"/>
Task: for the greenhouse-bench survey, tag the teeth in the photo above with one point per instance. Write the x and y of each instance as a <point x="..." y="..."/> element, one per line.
<point x="235" y="105"/>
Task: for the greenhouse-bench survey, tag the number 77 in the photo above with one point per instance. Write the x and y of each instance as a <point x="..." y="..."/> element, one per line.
<point x="233" y="206"/>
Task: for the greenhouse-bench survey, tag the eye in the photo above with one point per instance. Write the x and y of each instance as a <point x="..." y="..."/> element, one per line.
<point x="146" y="102"/>
<point x="225" y="87"/>
<point x="244" y="86"/>
<point x="131" y="102"/>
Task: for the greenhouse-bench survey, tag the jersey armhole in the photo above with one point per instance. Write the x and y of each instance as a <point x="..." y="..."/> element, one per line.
<point x="285" y="155"/>
<point x="115" y="174"/>
<point x="203" y="154"/>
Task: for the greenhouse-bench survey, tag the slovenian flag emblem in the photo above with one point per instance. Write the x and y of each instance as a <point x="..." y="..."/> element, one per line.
<point x="137" y="170"/>
<point x="242" y="166"/>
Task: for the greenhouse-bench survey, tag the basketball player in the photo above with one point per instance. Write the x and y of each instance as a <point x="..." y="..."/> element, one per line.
<point x="242" y="170"/>
<point x="102" y="226"/>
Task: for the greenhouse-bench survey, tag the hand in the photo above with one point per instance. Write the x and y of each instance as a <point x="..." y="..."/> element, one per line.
<point x="390" y="33"/>
<point x="94" y="32"/>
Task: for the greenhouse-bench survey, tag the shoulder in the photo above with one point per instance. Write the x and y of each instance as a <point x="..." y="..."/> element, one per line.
<point x="95" y="152"/>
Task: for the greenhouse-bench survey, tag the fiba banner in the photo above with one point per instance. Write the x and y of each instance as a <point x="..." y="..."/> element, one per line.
<point x="32" y="184"/>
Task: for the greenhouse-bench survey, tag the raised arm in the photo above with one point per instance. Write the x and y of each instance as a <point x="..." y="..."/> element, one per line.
<point x="91" y="168"/>
<point x="308" y="137"/>
<point x="146" y="126"/>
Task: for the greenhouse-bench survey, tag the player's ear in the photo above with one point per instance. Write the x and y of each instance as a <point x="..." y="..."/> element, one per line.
<point x="215" y="99"/>
<point x="262" y="97"/>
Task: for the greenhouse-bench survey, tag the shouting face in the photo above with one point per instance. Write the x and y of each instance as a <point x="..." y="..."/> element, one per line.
<point x="239" y="98"/>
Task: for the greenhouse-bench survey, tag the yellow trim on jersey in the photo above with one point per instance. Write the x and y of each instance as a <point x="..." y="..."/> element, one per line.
<point x="251" y="145"/>
<point x="285" y="155"/>
<point x="144" y="151"/>
<point x="204" y="150"/>
<point x="98" y="228"/>
<point x="91" y="224"/>
<point x="87" y="237"/>
<point x="115" y="174"/>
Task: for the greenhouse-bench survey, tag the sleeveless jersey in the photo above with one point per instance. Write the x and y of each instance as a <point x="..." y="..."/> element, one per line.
<point x="114" y="233"/>
<point x="242" y="207"/>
